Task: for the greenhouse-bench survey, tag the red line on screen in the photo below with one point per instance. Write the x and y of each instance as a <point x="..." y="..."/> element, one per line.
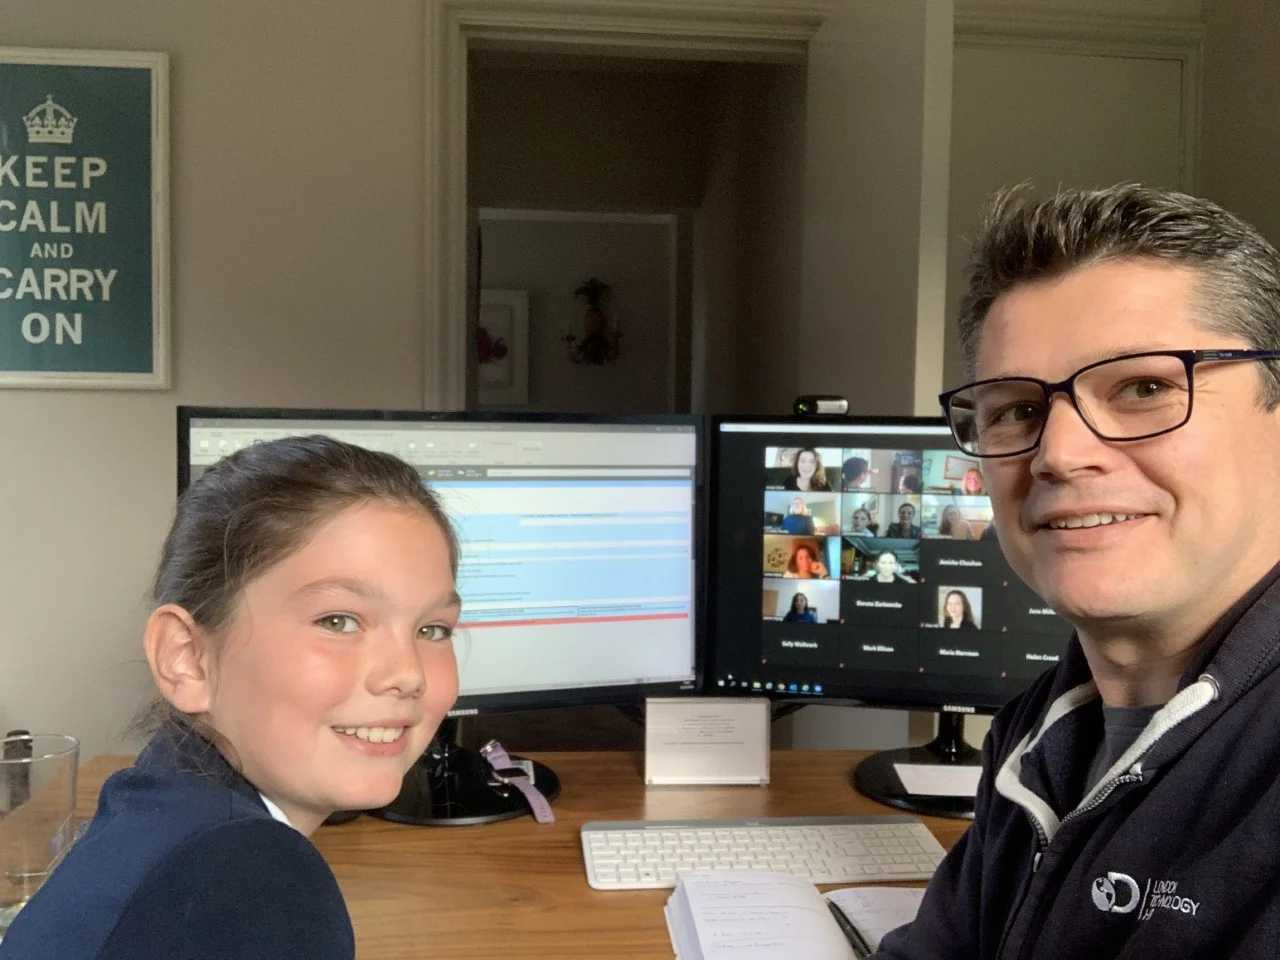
<point x="559" y="620"/>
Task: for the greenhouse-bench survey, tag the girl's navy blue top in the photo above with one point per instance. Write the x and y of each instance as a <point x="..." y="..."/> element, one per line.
<point x="183" y="860"/>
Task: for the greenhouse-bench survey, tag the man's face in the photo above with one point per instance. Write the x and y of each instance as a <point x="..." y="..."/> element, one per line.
<point x="906" y="513"/>
<point x="1200" y="532"/>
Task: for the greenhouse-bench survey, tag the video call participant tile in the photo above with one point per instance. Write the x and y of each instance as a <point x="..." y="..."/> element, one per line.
<point x="906" y="472"/>
<point x="802" y="558"/>
<point x="1023" y="611"/>
<point x="801" y="514"/>
<point x="1029" y="655"/>
<point x="950" y="471"/>
<point x="955" y="607"/>
<point x="800" y="644"/>
<point x="879" y="560"/>
<point x="980" y="564"/>
<point x="967" y="653"/>
<point x="801" y="601"/>
<point x="902" y="517"/>
<point x="805" y="469"/>
<point x="888" y="649"/>
<point x="956" y="517"/>
<point x="880" y="604"/>
<point x="861" y="514"/>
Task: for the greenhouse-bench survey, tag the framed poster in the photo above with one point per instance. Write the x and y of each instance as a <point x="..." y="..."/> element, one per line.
<point x="503" y="347"/>
<point x="84" y="198"/>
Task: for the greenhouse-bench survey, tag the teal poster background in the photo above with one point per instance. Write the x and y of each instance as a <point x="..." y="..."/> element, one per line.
<point x="76" y="243"/>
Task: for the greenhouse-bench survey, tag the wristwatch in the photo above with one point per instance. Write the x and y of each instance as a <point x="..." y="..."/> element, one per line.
<point x="506" y="772"/>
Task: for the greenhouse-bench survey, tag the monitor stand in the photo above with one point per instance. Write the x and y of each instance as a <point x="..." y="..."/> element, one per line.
<point x="875" y="777"/>
<point x="450" y="785"/>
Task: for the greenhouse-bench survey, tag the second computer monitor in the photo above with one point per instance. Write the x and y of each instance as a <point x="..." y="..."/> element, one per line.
<point x="857" y="560"/>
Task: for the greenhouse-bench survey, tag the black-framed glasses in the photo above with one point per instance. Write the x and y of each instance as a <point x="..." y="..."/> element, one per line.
<point x="1134" y="397"/>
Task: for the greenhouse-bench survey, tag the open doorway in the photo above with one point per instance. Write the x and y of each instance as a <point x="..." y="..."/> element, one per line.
<point x="675" y="184"/>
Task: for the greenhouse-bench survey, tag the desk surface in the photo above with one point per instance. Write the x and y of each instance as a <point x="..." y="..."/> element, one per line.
<point x="470" y="893"/>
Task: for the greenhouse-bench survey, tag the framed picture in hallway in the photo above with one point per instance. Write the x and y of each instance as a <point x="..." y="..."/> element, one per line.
<point x="503" y="347"/>
<point x="84" y="195"/>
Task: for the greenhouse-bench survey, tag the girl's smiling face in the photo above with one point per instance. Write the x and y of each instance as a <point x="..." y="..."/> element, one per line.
<point x="338" y="663"/>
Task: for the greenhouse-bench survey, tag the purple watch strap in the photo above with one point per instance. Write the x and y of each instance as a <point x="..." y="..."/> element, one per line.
<point x="506" y="771"/>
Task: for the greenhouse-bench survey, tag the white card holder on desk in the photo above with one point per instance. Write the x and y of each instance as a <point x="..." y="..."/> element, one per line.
<point x="691" y="740"/>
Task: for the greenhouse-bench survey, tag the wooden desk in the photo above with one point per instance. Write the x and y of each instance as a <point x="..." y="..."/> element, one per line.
<point x="471" y="893"/>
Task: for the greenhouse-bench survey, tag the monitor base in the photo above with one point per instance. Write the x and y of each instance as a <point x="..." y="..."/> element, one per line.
<point x="876" y="778"/>
<point x="451" y="786"/>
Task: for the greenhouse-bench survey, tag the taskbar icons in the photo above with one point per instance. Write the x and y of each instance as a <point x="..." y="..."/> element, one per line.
<point x="729" y="681"/>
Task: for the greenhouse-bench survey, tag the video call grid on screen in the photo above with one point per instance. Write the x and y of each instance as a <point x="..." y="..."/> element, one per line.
<point x="875" y="563"/>
<point x="577" y="560"/>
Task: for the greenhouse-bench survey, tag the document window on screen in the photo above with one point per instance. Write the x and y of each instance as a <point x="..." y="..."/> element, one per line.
<point x="574" y="580"/>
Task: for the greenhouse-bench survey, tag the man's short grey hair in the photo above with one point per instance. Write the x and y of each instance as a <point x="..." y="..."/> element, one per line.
<point x="1021" y="239"/>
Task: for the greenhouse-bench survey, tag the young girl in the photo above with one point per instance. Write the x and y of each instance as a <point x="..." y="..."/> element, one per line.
<point x="301" y="641"/>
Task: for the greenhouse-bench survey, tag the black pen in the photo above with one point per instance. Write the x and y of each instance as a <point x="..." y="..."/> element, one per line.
<point x="860" y="946"/>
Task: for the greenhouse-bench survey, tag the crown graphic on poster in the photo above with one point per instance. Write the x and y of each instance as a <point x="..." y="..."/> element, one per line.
<point x="50" y="123"/>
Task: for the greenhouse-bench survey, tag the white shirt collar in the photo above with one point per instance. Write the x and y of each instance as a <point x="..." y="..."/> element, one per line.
<point x="276" y="812"/>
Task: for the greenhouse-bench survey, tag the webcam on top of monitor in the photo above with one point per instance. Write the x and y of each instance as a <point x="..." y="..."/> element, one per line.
<point x="821" y="405"/>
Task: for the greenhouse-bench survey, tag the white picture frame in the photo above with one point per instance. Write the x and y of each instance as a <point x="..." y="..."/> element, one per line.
<point x="503" y="348"/>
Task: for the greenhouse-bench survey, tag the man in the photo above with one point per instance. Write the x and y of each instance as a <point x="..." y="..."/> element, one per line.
<point x="1129" y="804"/>
<point x="905" y="528"/>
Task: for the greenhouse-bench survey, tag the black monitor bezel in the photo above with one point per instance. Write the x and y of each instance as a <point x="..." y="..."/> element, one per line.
<point x="885" y="697"/>
<point x="477" y="704"/>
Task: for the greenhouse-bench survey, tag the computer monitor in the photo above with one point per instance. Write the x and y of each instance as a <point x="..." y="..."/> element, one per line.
<point x="854" y="560"/>
<point x="580" y="538"/>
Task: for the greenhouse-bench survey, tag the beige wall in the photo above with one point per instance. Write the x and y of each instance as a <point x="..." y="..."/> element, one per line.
<point x="297" y="250"/>
<point x="1241" y="127"/>
<point x="748" y="234"/>
<point x="1056" y="118"/>
<point x="871" y="220"/>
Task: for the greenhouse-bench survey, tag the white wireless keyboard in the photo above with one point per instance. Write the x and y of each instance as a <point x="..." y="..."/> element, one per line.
<point x="647" y="854"/>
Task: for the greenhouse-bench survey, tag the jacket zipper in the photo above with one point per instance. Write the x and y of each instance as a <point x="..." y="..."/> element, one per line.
<point x="1110" y="788"/>
<point x="1042" y="844"/>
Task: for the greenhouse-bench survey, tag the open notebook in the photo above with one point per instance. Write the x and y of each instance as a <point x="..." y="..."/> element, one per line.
<point x="756" y="915"/>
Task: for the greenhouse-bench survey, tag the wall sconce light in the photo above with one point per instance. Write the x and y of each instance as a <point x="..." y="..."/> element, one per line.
<point x="601" y="341"/>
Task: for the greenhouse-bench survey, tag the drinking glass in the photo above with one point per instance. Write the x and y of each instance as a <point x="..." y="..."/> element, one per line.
<point x="37" y="810"/>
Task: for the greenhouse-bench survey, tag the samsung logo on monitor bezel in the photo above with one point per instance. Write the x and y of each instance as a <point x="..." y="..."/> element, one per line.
<point x="954" y="708"/>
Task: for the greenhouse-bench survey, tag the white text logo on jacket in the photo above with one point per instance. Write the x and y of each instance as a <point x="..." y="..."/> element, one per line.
<point x="1120" y="893"/>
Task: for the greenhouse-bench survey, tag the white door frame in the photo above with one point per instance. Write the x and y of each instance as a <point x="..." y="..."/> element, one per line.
<point x="750" y="30"/>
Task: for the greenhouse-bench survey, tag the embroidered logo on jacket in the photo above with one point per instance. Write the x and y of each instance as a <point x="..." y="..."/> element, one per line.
<point x="1120" y="893"/>
<point x="1110" y="900"/>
